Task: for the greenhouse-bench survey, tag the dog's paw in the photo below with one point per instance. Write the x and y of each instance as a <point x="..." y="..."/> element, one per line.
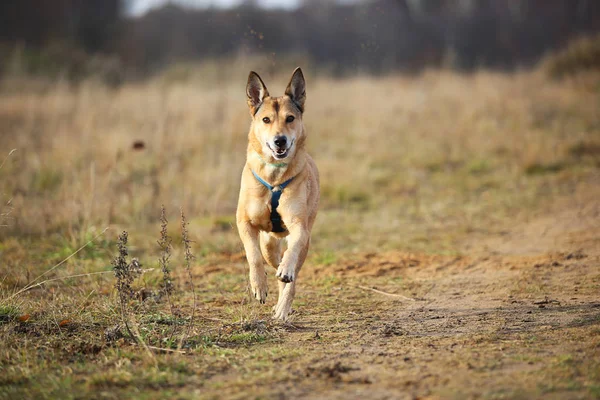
<point x="284" y="274"/>
<point x="260" y="295"/>
<point x="285" y="277"/>
<point x="281" y="313"/>
<point x="259" y="289"/>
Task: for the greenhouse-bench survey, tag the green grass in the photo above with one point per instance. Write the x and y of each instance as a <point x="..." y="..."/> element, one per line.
<point x="8" y="313"/>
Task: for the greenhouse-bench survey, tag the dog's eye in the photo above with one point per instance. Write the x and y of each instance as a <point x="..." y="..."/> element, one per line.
<point x="289" y="119"/>
<point x="266" y="120"/>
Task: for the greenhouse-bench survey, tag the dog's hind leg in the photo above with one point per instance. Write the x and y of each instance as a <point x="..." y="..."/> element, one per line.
<point x="258" y="276"/>
<point x="270" y="247"/>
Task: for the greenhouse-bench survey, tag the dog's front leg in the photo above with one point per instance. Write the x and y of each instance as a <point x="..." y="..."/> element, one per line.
<point x="297" y="245"/>
<point x="282" y="309"/>
<point x="258" y="277"/>
<point x="289" y="268"/>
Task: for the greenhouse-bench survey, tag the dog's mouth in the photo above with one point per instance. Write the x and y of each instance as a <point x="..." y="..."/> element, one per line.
<point x="279" y="153"/>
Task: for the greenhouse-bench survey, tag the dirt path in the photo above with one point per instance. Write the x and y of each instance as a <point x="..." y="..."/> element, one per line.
<point x="519" y="317"/>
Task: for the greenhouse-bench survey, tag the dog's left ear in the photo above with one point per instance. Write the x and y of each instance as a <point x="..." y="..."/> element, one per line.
<point x="296" y="89"/>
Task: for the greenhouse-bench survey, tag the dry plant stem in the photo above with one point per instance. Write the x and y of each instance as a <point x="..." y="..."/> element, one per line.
<point x="138" y="338"/>
<point x="125" y="320"/>
<point x="133" y="331"/>
<point x="165" y="247"/>
<point x="74" y="276"/>
<point x="31" y="285"/>
<point x="396" y="296"/>
<point x="125" y="273"/>
<point x="7" y="213"/>
<point x="85" y="301"/>
<point x="164" y="350"/>
<point x="6" y="158"/>
<point x="188" y="260"/>
<point x="165" y="244"/>
<point x="123" y="282"/>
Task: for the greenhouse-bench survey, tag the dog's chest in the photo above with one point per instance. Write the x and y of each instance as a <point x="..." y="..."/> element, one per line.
<point x="259" y="211"/>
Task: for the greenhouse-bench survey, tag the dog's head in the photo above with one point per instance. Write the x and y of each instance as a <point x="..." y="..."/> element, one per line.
<point x="277" y="128"/>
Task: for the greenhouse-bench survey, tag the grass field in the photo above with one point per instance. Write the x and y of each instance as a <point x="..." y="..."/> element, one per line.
<point x="456" y="253"/>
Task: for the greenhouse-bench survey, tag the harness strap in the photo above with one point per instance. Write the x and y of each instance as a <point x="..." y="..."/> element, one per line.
<point x="275" y="196"/>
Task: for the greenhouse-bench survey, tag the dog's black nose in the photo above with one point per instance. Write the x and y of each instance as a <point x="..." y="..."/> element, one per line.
<point x="280" y="141"/>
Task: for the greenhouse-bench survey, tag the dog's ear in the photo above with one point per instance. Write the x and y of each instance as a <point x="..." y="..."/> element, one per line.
<point x="256" y="90"/>
<point x="296" y="89"/>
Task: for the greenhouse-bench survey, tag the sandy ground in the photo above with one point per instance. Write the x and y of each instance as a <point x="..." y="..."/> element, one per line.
<point x="517" y="316"/>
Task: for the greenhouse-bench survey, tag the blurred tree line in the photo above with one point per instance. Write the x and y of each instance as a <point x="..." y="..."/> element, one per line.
<point x="89" y="24"/>
<point x="375" y="36"/>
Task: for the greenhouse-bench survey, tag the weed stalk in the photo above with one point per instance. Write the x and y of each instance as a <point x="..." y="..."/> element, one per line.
<point x="189" y="257"/>
<point x="166" y="247"/>
<point x="125" y="273"/>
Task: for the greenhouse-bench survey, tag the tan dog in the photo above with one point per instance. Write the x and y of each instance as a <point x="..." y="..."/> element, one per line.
<point x="278" y="176"/>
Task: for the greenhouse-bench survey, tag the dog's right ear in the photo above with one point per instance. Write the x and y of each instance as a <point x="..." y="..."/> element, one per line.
<point x="256" y="90"/>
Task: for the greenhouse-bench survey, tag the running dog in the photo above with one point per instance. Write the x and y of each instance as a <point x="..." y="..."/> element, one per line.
<point x="279" y="193"/>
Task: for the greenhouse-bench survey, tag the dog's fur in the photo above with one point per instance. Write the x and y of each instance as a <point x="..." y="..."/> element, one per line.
<point x="299" y="201"/>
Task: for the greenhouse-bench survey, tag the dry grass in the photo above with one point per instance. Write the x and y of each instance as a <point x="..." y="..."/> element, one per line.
<point x="440" y="147"/>
<point x="418" y="164"/>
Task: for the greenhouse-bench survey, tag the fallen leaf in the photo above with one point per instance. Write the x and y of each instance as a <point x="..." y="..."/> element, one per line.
<point x="24" y="317"/>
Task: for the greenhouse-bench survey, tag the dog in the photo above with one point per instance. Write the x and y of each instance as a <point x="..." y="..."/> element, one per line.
<point x="279" y="193"/>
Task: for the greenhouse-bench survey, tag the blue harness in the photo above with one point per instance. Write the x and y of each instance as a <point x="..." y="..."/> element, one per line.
<point x="275" y="195"/>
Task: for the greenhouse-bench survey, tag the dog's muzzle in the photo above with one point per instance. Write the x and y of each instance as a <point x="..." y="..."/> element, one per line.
<point x="280" y="147"/>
